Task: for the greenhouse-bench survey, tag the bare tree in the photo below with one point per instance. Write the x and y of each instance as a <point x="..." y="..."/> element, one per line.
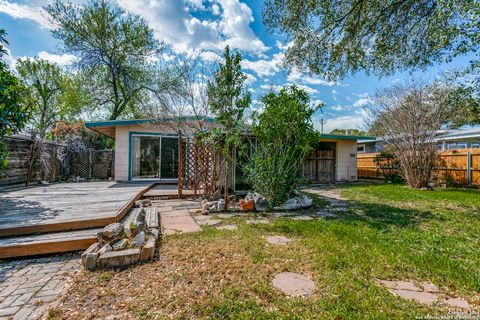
<point x="408" y="117"/>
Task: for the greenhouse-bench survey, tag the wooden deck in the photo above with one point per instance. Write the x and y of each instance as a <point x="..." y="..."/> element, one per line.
<point x="169" y="191"/>
<point x="61" y="217"/>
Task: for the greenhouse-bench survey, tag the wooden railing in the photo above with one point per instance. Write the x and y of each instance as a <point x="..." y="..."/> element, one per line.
<point x="460" y="167"/>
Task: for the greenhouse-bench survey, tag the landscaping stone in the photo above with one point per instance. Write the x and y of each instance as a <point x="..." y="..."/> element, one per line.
<point x="278" y="240"/>
<point x="260" y="202"/>
<point x="133" y="221"/>
<point x="92" y="249"/>
<point x="302" y="217"/>
<point x="121" y="258"/>
<point x="295" y="203"/>
<point x="225" y="215"/>
<point x="257" y="221"/>
<point x="457" y="303"/>
<point x="139" y="239"/>
<point x="418" y="296"/>
<point x="120" y="245"/>
<point x="294" y="284"/>
<point x="326" y="214"/>
<point x="105" y="248"/>
<point x="227" y="227"/>
<point x="111" y="233"/>
<point x="209" y="221"/>
<point x="90" y="262"/>
<point x="148" y="250"/>
<point x="151" y="216"/>
<point x="155" y="233"/>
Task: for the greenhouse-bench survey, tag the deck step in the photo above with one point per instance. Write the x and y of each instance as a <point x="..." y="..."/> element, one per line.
<point x="55" y="242"/>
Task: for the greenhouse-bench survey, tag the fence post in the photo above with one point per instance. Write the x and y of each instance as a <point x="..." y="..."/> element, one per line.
<point x="90" y="164"/>
<point x="469" y="168"/>
<point x="376" y="167"/>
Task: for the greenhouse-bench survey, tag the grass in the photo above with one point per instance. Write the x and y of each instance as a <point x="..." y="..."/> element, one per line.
<point x="391" y="232"/>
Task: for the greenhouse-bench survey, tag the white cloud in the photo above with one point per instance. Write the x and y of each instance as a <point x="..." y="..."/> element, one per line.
<point x="264" y="68"/>
<point x="60" y="59"/>
<point x="354" y="121"/>
<point x="334" y="91"/>
<point x="210" y="56"/>
<point x="173" y="23"/>
<point x="215" y="9"/>
<point x="308" y="89"/>
<point x="250" y="79"/>
<point x="295" y="75"/>
<point x="22" y="11"/>
<point x="362" y="102"/>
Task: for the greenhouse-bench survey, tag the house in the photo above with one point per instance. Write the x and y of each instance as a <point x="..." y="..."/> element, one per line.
<point x="148" y="149"/>
<point x="446" y="140"/>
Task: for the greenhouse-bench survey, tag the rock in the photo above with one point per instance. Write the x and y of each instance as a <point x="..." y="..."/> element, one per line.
<point x="135" y="222"/>
<point x="120" y="245"/>
<point x="139" y="239"/>
<point x="247" y="205"/>
<point x="418" y="296"/>
<point x="105" y="248"/>
<point x="296" y="203"/>
<point x="457" y="303"/>
<point x="220" y="205"/>
<point x="120" y="258"/>
<point x="278" y="240"/>
<point x="111" y="233"/>
<point x="148" y="250"/>
<point x="155" y="232"/>
<point x="142" y="203"/>
<point x="151" y="217"/>
<point x="261" y="203"/>
<point x="91" y="261"/>
<point x="210" y="205"/>
<point x="228" y="227"/>
<point x="45" y="183"/>
<point x="92" y="249"/>
<point x="294" y="284"/>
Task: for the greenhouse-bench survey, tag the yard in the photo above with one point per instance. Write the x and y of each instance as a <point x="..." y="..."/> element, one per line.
<point x="388" y="232"/>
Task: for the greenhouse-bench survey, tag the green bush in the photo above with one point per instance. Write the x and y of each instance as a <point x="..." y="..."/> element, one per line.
<point x="285" y="136"/>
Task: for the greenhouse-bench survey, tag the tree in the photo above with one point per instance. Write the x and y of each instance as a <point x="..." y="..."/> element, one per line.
<point x="14" y="108"/>
<point x="348" y="132"/>
<point x="45" y="83"/>
<point x="337" y="38"/>
<point x="114" y="48"/>
<point x="285" y="136"/>
<point x="408" y="117"/>
<point x="228" y="100"/>
<point x="3" y="41"/>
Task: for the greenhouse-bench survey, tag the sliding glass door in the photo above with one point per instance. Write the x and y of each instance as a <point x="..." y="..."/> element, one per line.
<point x="154" y="157"/>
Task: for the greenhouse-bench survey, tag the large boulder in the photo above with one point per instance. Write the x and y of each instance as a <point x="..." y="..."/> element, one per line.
<point x="111" y="233"/>
<point x="261" y="203"/>
<point x="300" y="202"/>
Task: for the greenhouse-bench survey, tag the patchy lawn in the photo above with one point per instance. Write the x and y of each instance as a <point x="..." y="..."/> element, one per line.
<point x="391" y="232"/>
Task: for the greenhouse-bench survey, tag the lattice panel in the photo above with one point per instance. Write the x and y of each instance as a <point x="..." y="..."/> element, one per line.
<point x="197" y="169"/>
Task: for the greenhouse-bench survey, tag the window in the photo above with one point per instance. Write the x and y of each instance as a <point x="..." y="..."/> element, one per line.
<point x="361" y="149"/>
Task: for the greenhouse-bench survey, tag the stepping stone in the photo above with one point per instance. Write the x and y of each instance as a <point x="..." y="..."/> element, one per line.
<point x="418" y="296"/>
<point x="257" y="221"/>
<point x="326" y="214"/>
<point x="302" y="218"/>
<point x="457" y="303"/>
<point x="228" y="227"/>
<point x="209" y="222"/>
<point x="225" y="215"/>
<point x="399" y="284"/>
<point x="279" y="240"/>
<point x="294" y="284"/>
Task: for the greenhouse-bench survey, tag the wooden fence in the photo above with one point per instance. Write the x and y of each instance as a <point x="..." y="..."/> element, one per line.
<point x="460" y="167"/>
<point x="53" y="162"/>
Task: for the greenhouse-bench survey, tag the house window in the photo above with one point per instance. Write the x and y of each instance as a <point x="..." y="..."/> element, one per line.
<point x="361" y="149"/>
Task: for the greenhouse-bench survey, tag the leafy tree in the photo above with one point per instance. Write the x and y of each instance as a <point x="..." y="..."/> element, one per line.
<point x="228" y="100"/>
<point x="336" y="38"/>
<point x="14" y="108"/>
<point x="285" y="135"/>
<point x="3" y="41"/>
<point x="348" y="132"/>
<point x="45" y="82"/>
<point x="113" y="46"/>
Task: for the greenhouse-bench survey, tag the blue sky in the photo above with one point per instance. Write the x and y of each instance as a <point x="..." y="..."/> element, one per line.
<point x="206" y="26"/>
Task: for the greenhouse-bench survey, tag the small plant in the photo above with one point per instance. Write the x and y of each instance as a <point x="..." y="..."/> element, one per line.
<point x="389" y="167"/>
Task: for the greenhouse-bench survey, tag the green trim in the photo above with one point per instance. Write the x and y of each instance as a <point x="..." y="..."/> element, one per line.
<point x="145" y="121"/>
<point x="343" y="137"/>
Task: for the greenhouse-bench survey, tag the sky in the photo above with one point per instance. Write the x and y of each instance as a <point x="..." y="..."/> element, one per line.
<point x="206" y="27"/>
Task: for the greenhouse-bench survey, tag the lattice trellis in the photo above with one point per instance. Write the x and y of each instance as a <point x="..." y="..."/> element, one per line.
<point x="92" y="164"/>
<point x="196" y="168"/>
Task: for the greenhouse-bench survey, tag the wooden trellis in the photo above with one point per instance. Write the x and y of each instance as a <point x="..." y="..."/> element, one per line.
<point x="196" y="168"/>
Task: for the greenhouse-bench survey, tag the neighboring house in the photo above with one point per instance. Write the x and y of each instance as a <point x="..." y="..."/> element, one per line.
<point x="147" y="149"/>
<point x="446" y="140"/>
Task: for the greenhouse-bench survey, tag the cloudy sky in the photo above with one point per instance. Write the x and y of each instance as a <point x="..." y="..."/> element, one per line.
<point x="208" y="26"/>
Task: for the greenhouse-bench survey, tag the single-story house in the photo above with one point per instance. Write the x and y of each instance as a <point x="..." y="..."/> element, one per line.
<point x="147" y="149"/>
<point x="446" y="140"/>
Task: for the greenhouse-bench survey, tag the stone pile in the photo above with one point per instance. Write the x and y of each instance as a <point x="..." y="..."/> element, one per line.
<point x="123" y="244"/>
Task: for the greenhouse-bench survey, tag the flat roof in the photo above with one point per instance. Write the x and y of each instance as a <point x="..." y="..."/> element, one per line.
<point x="343" y="137"/>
